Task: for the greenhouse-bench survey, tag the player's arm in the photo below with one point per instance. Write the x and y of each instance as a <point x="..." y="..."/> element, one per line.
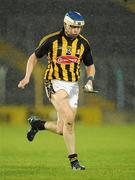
<point x="40" y="51"/>
<point x="90" y="68"/>
<point x="32" y="61"/>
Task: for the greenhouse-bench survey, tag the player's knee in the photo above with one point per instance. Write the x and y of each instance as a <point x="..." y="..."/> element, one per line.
<point x="69" y="125"/>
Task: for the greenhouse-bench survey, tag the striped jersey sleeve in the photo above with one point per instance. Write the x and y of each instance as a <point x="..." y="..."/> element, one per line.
<point x="87" y="55"/>
<point x="44" y="44"/>
<point x="42" y="49"/>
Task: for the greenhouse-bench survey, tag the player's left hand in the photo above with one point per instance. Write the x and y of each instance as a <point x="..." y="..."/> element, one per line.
<point x="89" y="86"/>
<point x="22" y="84"/>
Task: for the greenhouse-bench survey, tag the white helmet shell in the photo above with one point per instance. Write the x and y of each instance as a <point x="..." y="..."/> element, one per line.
<point x="74" y="18"/>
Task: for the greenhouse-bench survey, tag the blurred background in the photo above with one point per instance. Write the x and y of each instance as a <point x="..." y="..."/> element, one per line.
<point x="110" y="27"/>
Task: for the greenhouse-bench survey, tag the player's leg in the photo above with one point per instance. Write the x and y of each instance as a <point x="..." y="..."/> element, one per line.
<point x="38" y="124"/>
<point x="67" y="113"/>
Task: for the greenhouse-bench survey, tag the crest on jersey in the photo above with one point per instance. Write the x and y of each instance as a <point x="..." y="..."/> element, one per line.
<point x="69" y="50"/>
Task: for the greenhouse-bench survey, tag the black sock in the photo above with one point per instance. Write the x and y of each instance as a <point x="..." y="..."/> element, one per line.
<point x="73" y="158"/>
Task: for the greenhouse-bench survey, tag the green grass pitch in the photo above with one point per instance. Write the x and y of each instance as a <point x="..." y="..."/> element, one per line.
<point x="107" y="151"/>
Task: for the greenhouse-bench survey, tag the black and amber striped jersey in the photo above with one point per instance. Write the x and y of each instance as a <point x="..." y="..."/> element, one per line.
<point x="64" y="55"/>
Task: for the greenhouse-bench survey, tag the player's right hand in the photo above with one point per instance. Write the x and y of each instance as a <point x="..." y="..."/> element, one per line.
<point x="89" y="86"/>
<point x="23" y="83"/>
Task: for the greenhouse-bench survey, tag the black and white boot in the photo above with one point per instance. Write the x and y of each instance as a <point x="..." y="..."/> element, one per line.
<point x="75" y="165"/>
<point x="36" y="125"/>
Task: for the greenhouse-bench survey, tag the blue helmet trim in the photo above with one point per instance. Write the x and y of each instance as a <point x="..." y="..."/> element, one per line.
<point x="74" y="18"/>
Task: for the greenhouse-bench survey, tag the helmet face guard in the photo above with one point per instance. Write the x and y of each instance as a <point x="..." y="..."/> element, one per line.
<point x="74" y="18"/>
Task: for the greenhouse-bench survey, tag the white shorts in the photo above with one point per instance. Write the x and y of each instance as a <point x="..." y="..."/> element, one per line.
<point x="71" y="88"/>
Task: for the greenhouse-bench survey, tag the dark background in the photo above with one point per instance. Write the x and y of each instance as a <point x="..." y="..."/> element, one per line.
<point x="109" y="28"/>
